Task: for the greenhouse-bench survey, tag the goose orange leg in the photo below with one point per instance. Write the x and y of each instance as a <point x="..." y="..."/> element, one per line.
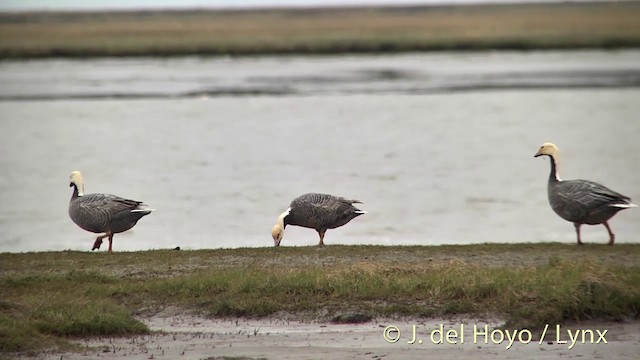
<point x="110" y="242"/>
<point x="578" y="232"/>
<point x="612" y="236"/>
<point x="321" y="233"/>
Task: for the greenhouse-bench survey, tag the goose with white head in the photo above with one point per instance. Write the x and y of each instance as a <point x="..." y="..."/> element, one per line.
<point x="581" y="201"/>
<point x="103" y="213"/>
<point x="316" y="211"/>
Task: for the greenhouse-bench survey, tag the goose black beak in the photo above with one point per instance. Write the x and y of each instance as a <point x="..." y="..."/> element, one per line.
<point x="70" y="184"/>
<point x="536" y="155"/>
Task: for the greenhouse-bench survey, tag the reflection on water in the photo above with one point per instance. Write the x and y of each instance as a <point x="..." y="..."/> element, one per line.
<point x="432" y="166"/>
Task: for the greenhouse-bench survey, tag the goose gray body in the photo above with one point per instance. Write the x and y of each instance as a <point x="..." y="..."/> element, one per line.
<point x="103" y="213"/>
<point x="317" y="211"/>
<point x="582" y="201"/>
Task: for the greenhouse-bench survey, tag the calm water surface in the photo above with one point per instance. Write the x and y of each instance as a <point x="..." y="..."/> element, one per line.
<point x="438" y="147"/>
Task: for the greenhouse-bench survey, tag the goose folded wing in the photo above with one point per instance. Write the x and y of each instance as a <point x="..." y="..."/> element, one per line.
<point x="593" y="195"/>
<point x="330" y="203"/>
<point x="318" y="199"/>
<point x="108" y="204"/>
<point x="568" y="207"/>
<point x="335" y="210"/>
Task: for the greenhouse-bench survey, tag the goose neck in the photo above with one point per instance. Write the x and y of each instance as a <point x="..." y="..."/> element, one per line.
<point x="553" y="175"/>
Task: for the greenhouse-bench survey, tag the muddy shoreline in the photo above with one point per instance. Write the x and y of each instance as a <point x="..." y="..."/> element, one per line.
<point x="190" y="337"/>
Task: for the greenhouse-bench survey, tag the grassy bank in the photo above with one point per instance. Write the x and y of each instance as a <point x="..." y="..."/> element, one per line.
<point x="51" y="296"/>
<point x="320" y="31"/>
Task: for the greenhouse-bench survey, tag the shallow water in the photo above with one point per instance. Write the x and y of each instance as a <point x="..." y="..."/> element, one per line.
<point x="438" y="147"/>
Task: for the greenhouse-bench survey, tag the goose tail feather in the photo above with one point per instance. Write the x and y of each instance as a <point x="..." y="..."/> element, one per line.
<point x="624" y="206"/>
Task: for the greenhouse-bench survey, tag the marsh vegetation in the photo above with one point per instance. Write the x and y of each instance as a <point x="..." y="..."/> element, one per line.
<point x="321" y="31"/>
<point x="52" y="296"/>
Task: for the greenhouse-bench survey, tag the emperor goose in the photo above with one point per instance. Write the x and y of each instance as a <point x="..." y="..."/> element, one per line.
<point x="316" y="211"/>
<point x="581" y="201"/>
<point x="103" y="213"/>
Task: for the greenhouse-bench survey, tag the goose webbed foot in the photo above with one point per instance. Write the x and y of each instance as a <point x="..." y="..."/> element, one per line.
<point x="98" y="242"/>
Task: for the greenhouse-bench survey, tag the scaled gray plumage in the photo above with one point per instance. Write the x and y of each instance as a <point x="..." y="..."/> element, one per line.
<point x="103" y="213"/>
<point x="582" y="201"/>
<point x="316" y="211"/>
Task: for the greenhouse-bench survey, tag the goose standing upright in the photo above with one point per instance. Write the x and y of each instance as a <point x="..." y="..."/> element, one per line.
<point x="103" y="213"/>
<point x="316" y="211"/>
<point x="581" y="201"/>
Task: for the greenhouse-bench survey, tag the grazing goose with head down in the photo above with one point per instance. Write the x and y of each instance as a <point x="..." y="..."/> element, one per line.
<point x="103" y="213"/>
<point x="316" y="211"/>
<point x="581" y="201"/>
